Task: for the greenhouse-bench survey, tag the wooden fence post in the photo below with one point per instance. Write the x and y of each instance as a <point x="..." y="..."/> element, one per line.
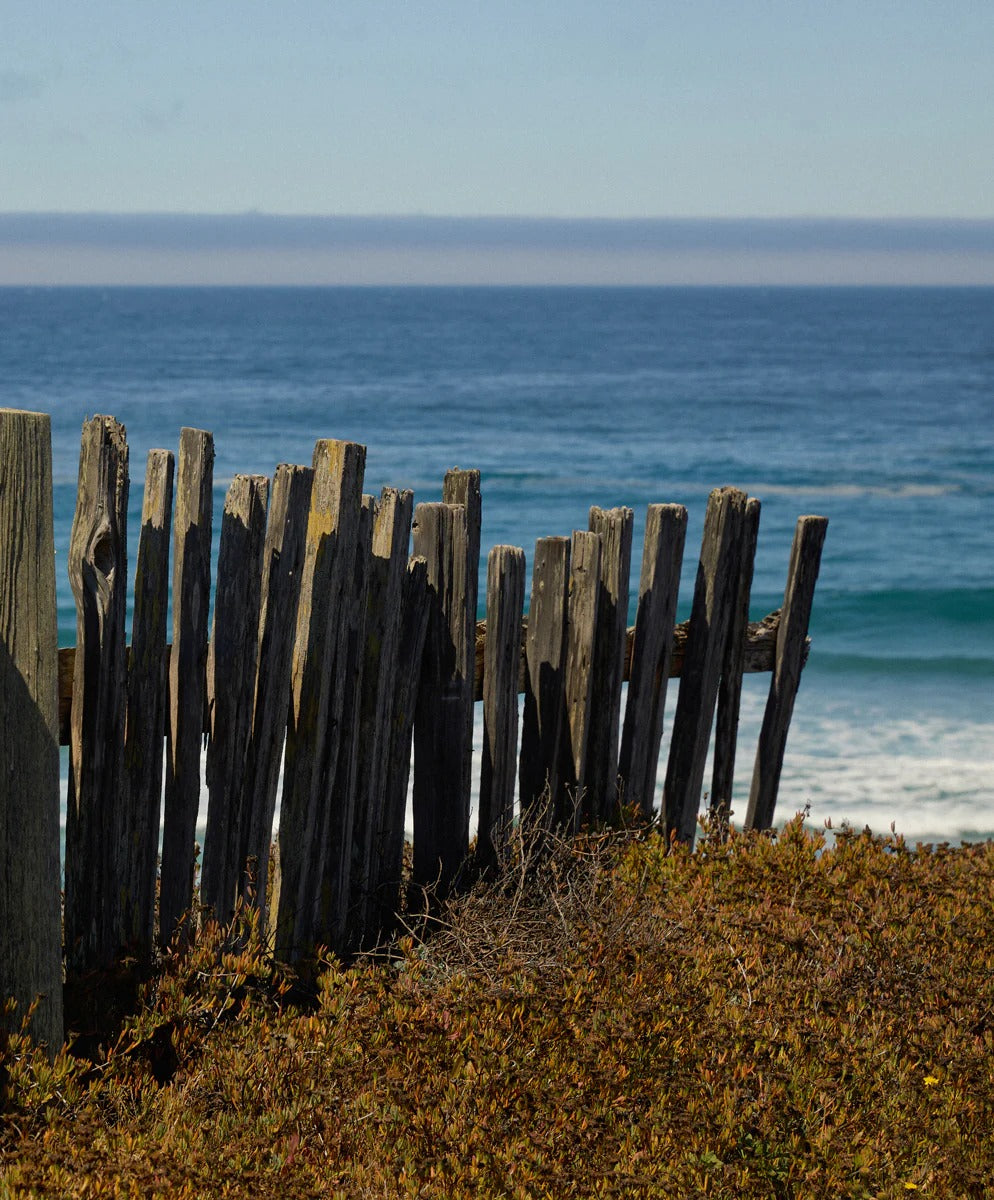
<point x="30" y="920"/>
<point x="505" y="601"/>
<point x="802" y="574"/>
<point x="726" y="726"/>
<point x="231" y="675"/>
<point x="652" y="648"/>
<point x="313" y="729"/>
<point x="146" y="723"/>
<point x="283" y="558"/>
<point x="442" y="725"/>
<point x="714" y="597"/>
<point x="544" y="729"/>
<point x="386" y="860"/>
<point x="187" y="675"/>
<point x="615" y="529"/>
<point x="384" y="592"/>
<point x="584" y="598"/>
<point x="96" y="835"/>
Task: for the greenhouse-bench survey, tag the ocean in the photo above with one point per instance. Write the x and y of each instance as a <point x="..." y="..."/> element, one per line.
<point x="874" y="407"/>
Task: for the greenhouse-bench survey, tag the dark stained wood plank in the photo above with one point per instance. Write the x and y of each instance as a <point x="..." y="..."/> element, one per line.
<point x="615" y="529"/>
<point x="30" y="917"/>
<point x="192" y="524"/>
<point x="730" y="689"/>
<point x="651" y="654"/>
<point x="231" y="676"/>
<point x="802" y="575"/>
<point x="311" y="758"/>
<point x="543" y="721"/>
<point x="148" y="664"/>
<point x="95" y="857"/>
<point x="441" y="728"/>
<point x="505" y="601"/>
<point x="714" y="598"/>
<point x="584" y="598"/>
<point x="282" y="563"/>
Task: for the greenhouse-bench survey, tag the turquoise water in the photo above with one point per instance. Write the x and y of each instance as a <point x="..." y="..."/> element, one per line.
<point x="874" y="407"/>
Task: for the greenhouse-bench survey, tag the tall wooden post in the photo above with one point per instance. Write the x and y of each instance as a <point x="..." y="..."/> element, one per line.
<point x="30" y="924"/>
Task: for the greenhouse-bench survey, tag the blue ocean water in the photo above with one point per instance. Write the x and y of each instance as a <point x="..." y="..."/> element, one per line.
<point x="874" y="407"/>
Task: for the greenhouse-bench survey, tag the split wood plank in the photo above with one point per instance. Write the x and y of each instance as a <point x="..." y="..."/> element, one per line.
<point x="192" y="524"/>
<point x="802" y="575"/>
<point x="651" y="653"/>
<point x="445" y="701"/>
<point x="726" y="726"/>
<point x="232" y="664"/>
<point x="96" y="831"/>
<point x="313" y="724"/>
<point x="505" y="601"/>
<point x="283" y="557"/>
<point x="714" y="597"/>
<point x="543" y="722"/>
<point x="148" y="664"/>
<point x="30" y="916"/>
<point x="615" y="529"/>
<point x="584" y="598"/>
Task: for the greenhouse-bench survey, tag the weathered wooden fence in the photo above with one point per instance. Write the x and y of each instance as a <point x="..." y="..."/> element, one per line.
<point x="333" y="650"/>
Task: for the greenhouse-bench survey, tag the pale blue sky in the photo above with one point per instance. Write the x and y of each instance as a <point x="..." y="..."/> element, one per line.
<point x="578" y="108"/>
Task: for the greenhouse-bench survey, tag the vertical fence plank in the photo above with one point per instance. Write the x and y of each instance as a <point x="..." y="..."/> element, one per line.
<point x="615" y="529"/>
<point x="146" y="723"/>
<point x="802" y="574"/>
<point x="463" y="487"/>
<point x="386" y="859"/>
<point x="231" y="674"/>
<point x="95" y="855"/>
<point x="384" y="591"/>
<point x="187" y="674"/>
<point x="30" y="920"/>
<point x="730" y="689"/>
<point x="714" y="596"/>
<point x="332" y="898"/>
<point x="652" y="648"/>
<point x="502" y="658"/>
<point x="542" y="724"/>
<point x="312" y="729"/>
<point x="283" y="557"/>
<point x="584" y="598"/>
<point x="441" y="728"/>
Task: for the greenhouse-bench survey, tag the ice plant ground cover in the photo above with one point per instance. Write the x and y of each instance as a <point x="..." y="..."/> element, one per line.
<point x="772" y="1016"/>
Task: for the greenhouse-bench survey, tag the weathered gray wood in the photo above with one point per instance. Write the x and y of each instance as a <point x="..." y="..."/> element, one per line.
<point x="726" y="726"/>
<point x="584" y="599"/>
<point x="651" y="653"/>
<point x="805" y="559"/>
<point x="505" y="601"/>
<point x="146" y="722"/>
<point x="313" y="727"/>
<point x="463" y="487"/>
<point x="714" y="598"/>
<point x="332" y="898"/>
<point x="95" y="826"/>
<point x="192" y="523"/>
<point x="30" y="920"/>
<point x="231" y="675"/>
<point x="441" y="728"/>
<point x="384" y="590"/>
<point x="543" y="722"/>
<point x="615" y="529"/>
<point x="386" y="860"/>
<point x="283" y="558"/>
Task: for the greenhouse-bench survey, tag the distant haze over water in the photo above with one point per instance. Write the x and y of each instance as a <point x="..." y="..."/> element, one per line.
<point x="872" y="406"/>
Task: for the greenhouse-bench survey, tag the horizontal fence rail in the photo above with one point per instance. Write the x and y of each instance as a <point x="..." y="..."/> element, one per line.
<point x="356" y="663"/>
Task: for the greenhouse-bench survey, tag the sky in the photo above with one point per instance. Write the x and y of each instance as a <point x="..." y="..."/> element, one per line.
<point x="714" y="110"/>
